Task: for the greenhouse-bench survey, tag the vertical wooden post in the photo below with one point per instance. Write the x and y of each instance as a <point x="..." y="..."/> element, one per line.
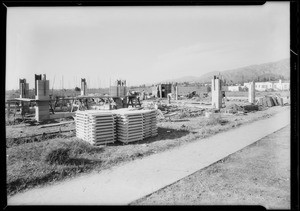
<point x="8" y="109"/>
<point x="216" y="93"/>
<point x="72" y="106"/>
<point x="160" y="91"/>
<point x="109" y="103"/>
<point x="176" y="92"/>
<point x="251" y="92"/>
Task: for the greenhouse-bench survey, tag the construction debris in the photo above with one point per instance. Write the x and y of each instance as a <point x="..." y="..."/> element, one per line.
<point x="190" y="112"/>
<point x="208" y="114"/>
<point x="55" y="124"/>
<point x="269" y="101"/>
<point x="233" y="108"/>
<point x="161" y="115"/>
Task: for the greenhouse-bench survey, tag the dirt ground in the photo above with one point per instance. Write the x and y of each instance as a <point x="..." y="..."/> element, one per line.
<point x="257" y="175"/>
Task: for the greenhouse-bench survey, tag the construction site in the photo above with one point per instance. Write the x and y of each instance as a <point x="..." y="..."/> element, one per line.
<point x="50" y="138"/>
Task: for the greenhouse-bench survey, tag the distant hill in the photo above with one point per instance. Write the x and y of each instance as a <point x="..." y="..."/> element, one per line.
<point x="261" y="72"/>
<point x="184" y="79"/>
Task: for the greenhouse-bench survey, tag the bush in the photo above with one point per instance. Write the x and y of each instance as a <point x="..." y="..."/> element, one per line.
<point x="57" y="156"/>
<point x="81" y="147"/>
<point x="77" y="89"/>
<point x="215" y="119"/>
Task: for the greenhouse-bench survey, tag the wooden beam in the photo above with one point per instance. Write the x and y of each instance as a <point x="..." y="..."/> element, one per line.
<point x="56" y="124"/>
<point x="8" y="110"/>
<point x="25" y="99"/>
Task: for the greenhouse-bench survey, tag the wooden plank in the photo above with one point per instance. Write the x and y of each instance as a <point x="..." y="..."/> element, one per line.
<point x="130" y="125"/>
<point x="130" y="140"/>
<point x="102" y="136"/>
<point x="23" y="99"/>
<point x="55" y="124"/>
<point x="130" y="136"/>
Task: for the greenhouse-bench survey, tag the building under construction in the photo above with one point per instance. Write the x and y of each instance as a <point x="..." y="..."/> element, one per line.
<point x="162" y="90"/>
<point x="119" y="89"/>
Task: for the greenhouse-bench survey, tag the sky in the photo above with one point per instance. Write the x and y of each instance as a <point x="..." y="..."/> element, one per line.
<point x="141" y="45"/>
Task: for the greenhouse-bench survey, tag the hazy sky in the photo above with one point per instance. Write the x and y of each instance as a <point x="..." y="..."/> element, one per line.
<point x="140" y="44"/>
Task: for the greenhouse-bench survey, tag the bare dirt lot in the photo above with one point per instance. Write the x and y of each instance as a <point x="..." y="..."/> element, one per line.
<point x="257" y="175"/>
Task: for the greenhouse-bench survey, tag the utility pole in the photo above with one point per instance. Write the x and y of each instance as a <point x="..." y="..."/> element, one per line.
<point x="74" y="82"/>
<point x="53" y="84"/>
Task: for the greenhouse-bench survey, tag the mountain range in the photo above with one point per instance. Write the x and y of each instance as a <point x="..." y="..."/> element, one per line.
<point x="260" y="72"/>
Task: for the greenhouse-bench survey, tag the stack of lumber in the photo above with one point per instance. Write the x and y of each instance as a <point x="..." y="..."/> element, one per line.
<point x="96" y="127"/>
<point x="135" y="125"/>
<point x="149" y="123"/>
<point x="129" y="125"/>
<point x="153" y="123"/>
<point x="100" y="127"/>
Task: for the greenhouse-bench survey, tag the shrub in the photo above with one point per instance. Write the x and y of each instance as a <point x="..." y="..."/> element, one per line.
<point x="78" y="147"/>
<point x="77" y="89"/>
<point x="214" y="120"/>
<point x="57" y="156"/>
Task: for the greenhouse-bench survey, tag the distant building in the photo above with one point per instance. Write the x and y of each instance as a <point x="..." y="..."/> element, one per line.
<point x="162" y="90"/>
<point x="184" y="90"/>
<point x="224" y="88"/>
<point x="263" y="86"/>
<point x="234" y="88"/>
<point x="282" y="85"/>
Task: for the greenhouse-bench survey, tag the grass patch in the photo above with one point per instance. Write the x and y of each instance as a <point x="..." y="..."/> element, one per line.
<point x="10" y="142"/>
<point x="214" y="119"/>
<point x="33" y="164"/>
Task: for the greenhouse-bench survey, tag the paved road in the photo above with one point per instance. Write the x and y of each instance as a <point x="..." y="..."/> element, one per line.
<point x="126" y="183"/>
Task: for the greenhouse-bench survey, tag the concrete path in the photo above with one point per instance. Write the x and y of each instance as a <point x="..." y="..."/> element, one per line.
<point x="136" y="179"/>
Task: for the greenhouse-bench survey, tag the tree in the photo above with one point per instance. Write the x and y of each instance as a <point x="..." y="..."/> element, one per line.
<point x="77" y="89"/>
